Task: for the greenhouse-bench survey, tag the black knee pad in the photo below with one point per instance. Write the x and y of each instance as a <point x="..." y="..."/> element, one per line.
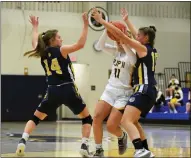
<point x="87" y="120"/>
<point x="36" y="120"/>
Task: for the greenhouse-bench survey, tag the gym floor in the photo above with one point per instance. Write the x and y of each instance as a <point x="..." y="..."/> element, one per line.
<point x="63" y="139"/>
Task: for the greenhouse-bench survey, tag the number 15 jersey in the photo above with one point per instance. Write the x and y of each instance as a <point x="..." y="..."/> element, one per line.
<point x="122" y="69"/>
<point x="58" y="69"/>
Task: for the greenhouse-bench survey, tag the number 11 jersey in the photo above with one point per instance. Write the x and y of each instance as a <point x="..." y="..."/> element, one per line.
<point x="122" y="69"/>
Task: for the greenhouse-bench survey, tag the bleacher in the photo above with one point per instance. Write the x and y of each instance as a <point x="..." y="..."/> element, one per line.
<point x="183" y="73"/>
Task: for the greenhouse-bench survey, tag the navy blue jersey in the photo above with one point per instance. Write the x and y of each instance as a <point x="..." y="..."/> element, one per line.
<point x="145" y="68"/>
<point x="58" y="69"/>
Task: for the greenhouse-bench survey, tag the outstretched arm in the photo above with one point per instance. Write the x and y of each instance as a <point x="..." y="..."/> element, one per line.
<point x="66" y="49"/>
<point x="34" y="21"/>
<point x="131" y="27"/>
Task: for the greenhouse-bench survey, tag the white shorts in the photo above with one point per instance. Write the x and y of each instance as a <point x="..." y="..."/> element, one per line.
<point x="116" y="97"/>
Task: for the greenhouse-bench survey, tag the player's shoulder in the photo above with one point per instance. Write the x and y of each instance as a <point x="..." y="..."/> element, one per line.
<point x="116" y="54"/>
<point x="150" y="48"/>
<point x="53" y="51"/>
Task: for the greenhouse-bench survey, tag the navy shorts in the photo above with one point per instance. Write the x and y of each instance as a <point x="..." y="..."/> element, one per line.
<point x="66" y="94"/>
<point x="143" y="101"/>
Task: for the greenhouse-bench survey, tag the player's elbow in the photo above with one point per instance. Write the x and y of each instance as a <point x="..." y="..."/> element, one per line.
<point x="81" y="45"/>
<point x="99" y="47"/>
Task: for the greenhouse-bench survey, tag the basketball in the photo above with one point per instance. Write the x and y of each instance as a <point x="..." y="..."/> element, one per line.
<point x="173" y="101"/>
<point x="119" y="25"/>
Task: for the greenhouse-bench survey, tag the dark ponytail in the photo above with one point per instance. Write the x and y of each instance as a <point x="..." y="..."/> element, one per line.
<point x="154" y="28"/>
<point x="150" y="31"/>
<point x="43" y="42"/>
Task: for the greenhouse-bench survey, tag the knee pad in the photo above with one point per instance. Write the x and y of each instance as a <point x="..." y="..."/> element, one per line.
<point x="36" y="120"/>
<point x="87" y="120"/>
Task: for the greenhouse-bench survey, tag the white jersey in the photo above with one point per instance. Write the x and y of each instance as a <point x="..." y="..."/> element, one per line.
<point x="122" y="69"/>
<point x="123" y="64"/>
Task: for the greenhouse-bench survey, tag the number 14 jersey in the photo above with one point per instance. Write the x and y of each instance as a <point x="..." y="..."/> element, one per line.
<point x="58" y="69"/>
<point x="122" y="69"/>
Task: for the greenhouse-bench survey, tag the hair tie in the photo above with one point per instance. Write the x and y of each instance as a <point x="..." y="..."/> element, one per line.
<point x="43" y="34"/>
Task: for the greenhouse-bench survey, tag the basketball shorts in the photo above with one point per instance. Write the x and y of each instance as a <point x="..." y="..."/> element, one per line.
<point x="66" y="94"/>
<point x="143" y="98"/>
<point x="116" y="97"/>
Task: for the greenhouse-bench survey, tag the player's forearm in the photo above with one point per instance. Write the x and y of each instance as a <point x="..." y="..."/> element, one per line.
<point x="83" y="36"/>
<point x="34" y="37"/>
<point x="101" y="42"/>
<point x="181" y="97"/>
<point x="131" y="27"/>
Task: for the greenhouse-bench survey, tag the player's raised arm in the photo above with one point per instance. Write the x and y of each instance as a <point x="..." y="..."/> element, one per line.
<point x="66" y="49"/>
<point x="140" y="49"/>
<point x="124" y="15"/>
<point x="102" y="45"/>
<point x="34" y="21"/>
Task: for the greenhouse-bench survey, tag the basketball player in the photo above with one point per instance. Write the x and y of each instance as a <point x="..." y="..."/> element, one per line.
<point x="160" y="101"/>
<point x="60" y="78"/>
<point x="145" y="92"/>
<point x="115" y="95"/>
<point x="177" y="99"/>
<point x="171" y="86"/>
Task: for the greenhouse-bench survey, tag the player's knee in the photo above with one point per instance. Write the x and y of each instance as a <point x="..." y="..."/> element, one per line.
<point x="87" y="120"/>
<point x="126" y="120"/>
<point x="110" y="127"/>
<point x="97" y="118"/>
<point x="36" y="120"/>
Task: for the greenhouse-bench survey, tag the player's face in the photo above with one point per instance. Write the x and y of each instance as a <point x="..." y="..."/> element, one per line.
<point x="57" y="40"/>
<point x="142" y="38"/>
<point x="173" y="77"/>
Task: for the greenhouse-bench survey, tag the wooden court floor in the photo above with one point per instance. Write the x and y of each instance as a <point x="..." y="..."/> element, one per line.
<point x="63" y="139"/>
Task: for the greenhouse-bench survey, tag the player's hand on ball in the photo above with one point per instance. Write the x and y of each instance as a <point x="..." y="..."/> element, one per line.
<point x="96" y="15"/>
<point x="124" y="14"/>
<point x="33" y="20"/>
<point x="85" y="18"/>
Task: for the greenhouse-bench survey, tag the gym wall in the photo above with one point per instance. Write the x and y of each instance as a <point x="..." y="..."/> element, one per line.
<point x="172" y="43"/>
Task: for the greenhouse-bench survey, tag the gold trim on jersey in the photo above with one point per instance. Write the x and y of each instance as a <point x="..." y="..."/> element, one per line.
<point x="136" y="88"/>
<point x="140" y="74"/>
<point x="71" y="70"/>
<point x="76" y="89"/>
